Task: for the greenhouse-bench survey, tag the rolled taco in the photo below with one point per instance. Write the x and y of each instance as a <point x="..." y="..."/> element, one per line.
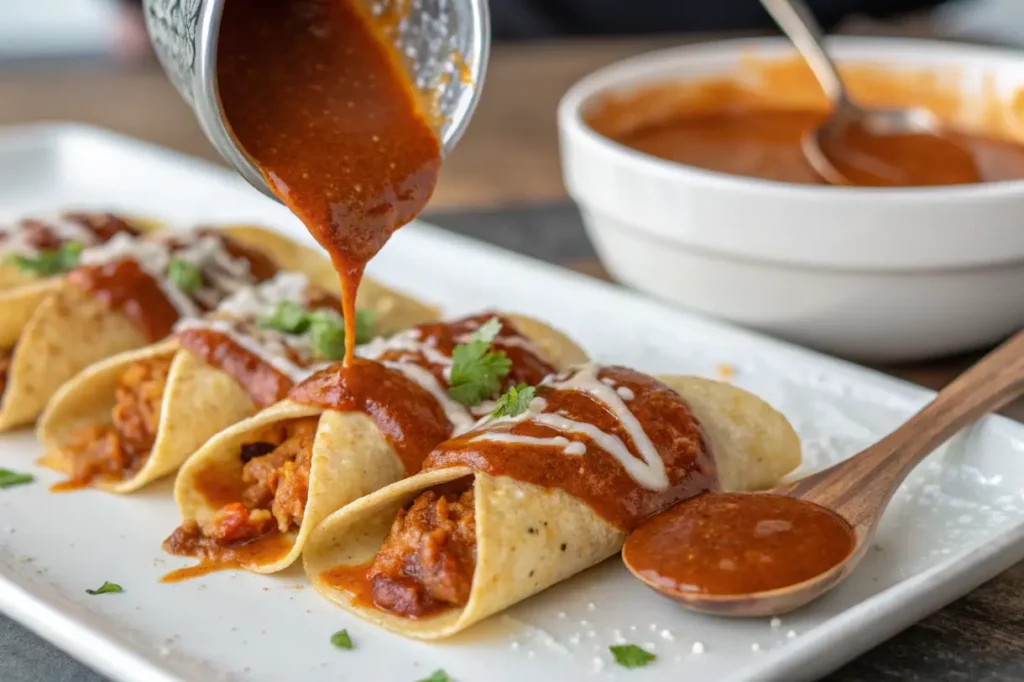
<point x="253" y="493"/>
<point x="132" y="418"/>
<point x="528" y="499"/>
<point x="123" y="295"/>
<point x="41" y="248"/>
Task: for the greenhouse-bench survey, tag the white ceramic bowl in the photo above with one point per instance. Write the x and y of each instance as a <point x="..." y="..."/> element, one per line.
<point x="875" y="274"/>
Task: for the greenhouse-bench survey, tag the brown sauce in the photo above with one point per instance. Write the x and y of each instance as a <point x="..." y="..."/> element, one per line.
<point x="751" y="123"/>
<point x="264" y="384"/>
<point x="267" y="549"/>
<point x="355" y="580"/>
<point x="597" y="478"/>
<point x="103" y="226"/>
<point x="218" y="485"/>
<point x="737" y="543"/>
<point x="320" y="101"/>
<point x="767" y="144"/>
<point x="406" y="414"/>
<point x="409" y="416"/>
<point x="125" y="287"/>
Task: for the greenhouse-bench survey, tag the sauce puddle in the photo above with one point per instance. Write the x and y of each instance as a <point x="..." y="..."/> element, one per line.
<point x="265" y="550"/>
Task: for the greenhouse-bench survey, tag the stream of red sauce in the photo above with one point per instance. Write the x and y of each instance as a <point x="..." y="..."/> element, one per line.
<point x="322" y="105"/>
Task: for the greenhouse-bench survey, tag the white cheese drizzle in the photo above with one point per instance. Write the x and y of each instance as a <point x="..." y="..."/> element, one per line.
<point x="648" y="470"/>
<point x="223" y="274"/>
<point x="238" y="317"/>
<point x="14" y="238"/>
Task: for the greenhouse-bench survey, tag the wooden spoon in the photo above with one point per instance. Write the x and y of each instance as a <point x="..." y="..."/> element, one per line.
<point x="859" y="488"/>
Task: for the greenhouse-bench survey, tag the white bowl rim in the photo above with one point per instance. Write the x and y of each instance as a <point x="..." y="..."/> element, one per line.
<point x="637" y="70"/>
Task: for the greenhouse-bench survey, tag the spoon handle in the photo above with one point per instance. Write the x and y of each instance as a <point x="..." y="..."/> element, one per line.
<point x="799" y="24"/>
<point x="860" y="487"/>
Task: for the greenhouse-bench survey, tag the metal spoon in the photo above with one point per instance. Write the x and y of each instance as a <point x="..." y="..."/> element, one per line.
<point x="859" y="489"/>
<point x="800" y="26"/>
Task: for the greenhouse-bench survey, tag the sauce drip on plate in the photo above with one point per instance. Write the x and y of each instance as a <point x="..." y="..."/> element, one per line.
<point x="322" y="105"/>
<point x="737" y="543"/>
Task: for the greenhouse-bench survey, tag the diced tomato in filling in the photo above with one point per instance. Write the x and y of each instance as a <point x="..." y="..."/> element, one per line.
<point x="275" y="474"/>
<point x="427" y="560"/>
<point x="120" y="449"/>
<point x="5" y="367"/>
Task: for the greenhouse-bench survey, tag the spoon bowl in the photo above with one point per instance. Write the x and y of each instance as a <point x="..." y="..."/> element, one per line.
<point x="825" y="146"/>
<point x="859" y="489"/>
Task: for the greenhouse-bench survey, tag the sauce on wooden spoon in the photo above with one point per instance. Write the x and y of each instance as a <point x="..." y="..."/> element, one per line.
<point x="737" y="543"/>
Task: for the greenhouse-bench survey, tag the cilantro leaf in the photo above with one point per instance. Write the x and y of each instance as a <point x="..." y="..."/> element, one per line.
<point x="438" y="675"/>
<point x="514" y="402"/>
<point x="9" y="479"/>
<point x="327" y="335"/>
<point x="184" y="275"/>
<point x="48" y="261"/>
<point x="365" y="329"/>
<point x="325" y="327"/>
<point x="341" y="640"/>
<point x="476" y="374"/>
<point x="289" y="317"/>
<point x="631" y="656"/>
<point x="107" y="587"/>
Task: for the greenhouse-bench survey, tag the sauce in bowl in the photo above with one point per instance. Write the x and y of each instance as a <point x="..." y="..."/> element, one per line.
<point x="753" y="124"/>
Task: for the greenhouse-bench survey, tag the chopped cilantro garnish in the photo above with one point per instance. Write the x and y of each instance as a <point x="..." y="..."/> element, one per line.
<point x="48" y="261"/>
<point x="184" y="275"/>
<point x="438" y="675"/>
<point x="365" y="330"/>
<point x="514" y="402"/>
<point x="9" y="479"/>
<point x="631" y="656"/>
<point x="325" y="327"/>
<point x="341" y="640"/>
<point x="476" y="374"/>
<point x="289" y="317"/>
<point x="327" y="334"/>
<point x="107" y="587"/>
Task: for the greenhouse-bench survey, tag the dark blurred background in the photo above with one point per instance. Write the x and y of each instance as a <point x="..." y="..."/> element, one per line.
<point x="35" y="29"/>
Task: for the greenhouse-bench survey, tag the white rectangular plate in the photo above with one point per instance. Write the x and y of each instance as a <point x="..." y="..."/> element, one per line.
<point x="956" y="522"/>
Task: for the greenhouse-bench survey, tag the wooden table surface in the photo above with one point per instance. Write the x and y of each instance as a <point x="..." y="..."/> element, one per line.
<point x="509" y="157"/>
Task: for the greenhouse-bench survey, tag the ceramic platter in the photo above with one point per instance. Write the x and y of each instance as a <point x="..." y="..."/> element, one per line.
<point x="956" y="522"/>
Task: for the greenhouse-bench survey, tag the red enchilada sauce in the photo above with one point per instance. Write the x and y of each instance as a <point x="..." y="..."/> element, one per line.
<point x="262" y="381"/>
<point x="426" y="563"/>
<point x="123" y="285"/>
<point x="596" y="477"/>
<point x="737" y="543"/>
<point x="729" y="131"/>
<point x="321" y="103"/>
<point x="409" y="416"/>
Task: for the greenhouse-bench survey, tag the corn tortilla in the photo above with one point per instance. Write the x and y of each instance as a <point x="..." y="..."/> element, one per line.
<point x="351" y="458"/>
<point x="199" y="400"/>
<point x="57" y="330"/>
<point x="753" y="444"/>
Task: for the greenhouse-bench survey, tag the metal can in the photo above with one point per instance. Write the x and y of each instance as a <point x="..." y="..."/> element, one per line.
<point x="445" y="45"/>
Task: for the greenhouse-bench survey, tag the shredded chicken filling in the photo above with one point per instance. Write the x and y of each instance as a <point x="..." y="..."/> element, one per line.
<point x="119" y="449"/>
<point x="427" y="560"/>
<point x="275" y="475"/>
